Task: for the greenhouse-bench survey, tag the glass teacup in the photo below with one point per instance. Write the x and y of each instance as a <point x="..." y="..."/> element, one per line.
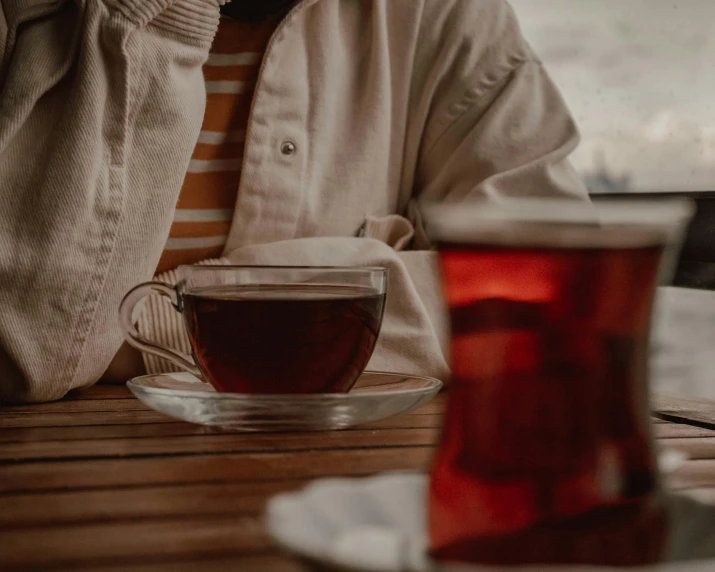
<point x="271" y="330"/>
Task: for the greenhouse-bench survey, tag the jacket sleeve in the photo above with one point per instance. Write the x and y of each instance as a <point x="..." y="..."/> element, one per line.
<point x="513" y="141"/>
<point x="494" y="124"/>
<point x="100" y="106"/>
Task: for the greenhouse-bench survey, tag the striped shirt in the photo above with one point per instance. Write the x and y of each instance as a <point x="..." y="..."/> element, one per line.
<point x="205" y="208"/>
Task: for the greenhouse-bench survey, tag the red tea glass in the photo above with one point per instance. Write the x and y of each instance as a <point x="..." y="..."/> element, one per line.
<point x="546" y="454"/>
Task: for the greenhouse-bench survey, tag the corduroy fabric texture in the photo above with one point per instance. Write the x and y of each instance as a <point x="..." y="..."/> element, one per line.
<point x="100" y="106"/>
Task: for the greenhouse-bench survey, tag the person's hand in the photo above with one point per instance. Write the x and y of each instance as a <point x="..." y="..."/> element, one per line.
<point x="127" y="363"/>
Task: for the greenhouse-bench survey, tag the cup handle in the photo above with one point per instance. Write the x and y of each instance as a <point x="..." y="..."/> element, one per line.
<point x="126" y="310"/>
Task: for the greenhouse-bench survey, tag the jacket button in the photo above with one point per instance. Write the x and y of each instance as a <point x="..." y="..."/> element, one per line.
<point x="288" y="148"/>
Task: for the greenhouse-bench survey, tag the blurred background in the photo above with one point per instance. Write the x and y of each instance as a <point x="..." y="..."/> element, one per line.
<point x="639" y="75"/>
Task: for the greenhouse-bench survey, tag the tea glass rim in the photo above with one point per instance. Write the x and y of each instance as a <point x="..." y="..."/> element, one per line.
<point x="547" y="210"/>
<point x="272" y="274"/>
<point x="559" y="222"/>
<point x="336" y="269"/>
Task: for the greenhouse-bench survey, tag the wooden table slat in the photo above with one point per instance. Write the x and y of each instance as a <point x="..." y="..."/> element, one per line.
<point x="253" y="563"/>
<point x="209" y="536"/>
<point x="176" y="429"/>
<point x="63" y="507"/>
<point x="213" y="444"/>
<point x="84" y="406"/>
<point x="212" y="468"/>
<point x="100" y="391"/>
<point x="669" y="431"/>
<point x="9" y="419"/>
<point x="86" y="432"/>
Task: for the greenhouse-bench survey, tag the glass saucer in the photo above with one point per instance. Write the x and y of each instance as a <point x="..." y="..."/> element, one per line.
<point x="374" y="397"/>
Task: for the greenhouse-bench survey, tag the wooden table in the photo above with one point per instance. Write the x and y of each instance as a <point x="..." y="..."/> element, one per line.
<point x="99" y="482"/>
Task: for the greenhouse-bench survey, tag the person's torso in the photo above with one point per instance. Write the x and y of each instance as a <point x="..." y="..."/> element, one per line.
<point x="351" y="97"/>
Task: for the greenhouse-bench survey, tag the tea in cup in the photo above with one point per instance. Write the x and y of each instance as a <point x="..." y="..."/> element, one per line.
<point x="271" y="330"/>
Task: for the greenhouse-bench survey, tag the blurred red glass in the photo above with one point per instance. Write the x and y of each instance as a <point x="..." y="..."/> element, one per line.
<point x="546" y="454"/>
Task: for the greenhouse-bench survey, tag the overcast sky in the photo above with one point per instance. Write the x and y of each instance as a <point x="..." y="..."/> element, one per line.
<point x="639" y="75"/>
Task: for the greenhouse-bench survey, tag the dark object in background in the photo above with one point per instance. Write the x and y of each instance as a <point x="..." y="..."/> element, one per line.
<point x="696" y="265"/>
<point x="255" y="10"/>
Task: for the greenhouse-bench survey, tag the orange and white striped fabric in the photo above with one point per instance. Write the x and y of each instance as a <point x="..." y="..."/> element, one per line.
<point x="205" y="208"/>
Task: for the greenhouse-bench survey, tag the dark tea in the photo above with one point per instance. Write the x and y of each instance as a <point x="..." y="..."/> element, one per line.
<point x="289" y="338"/>
<point x="546" y="452"/>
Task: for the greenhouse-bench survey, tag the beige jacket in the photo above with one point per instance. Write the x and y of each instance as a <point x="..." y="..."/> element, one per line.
<point x="386" y="101"/>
